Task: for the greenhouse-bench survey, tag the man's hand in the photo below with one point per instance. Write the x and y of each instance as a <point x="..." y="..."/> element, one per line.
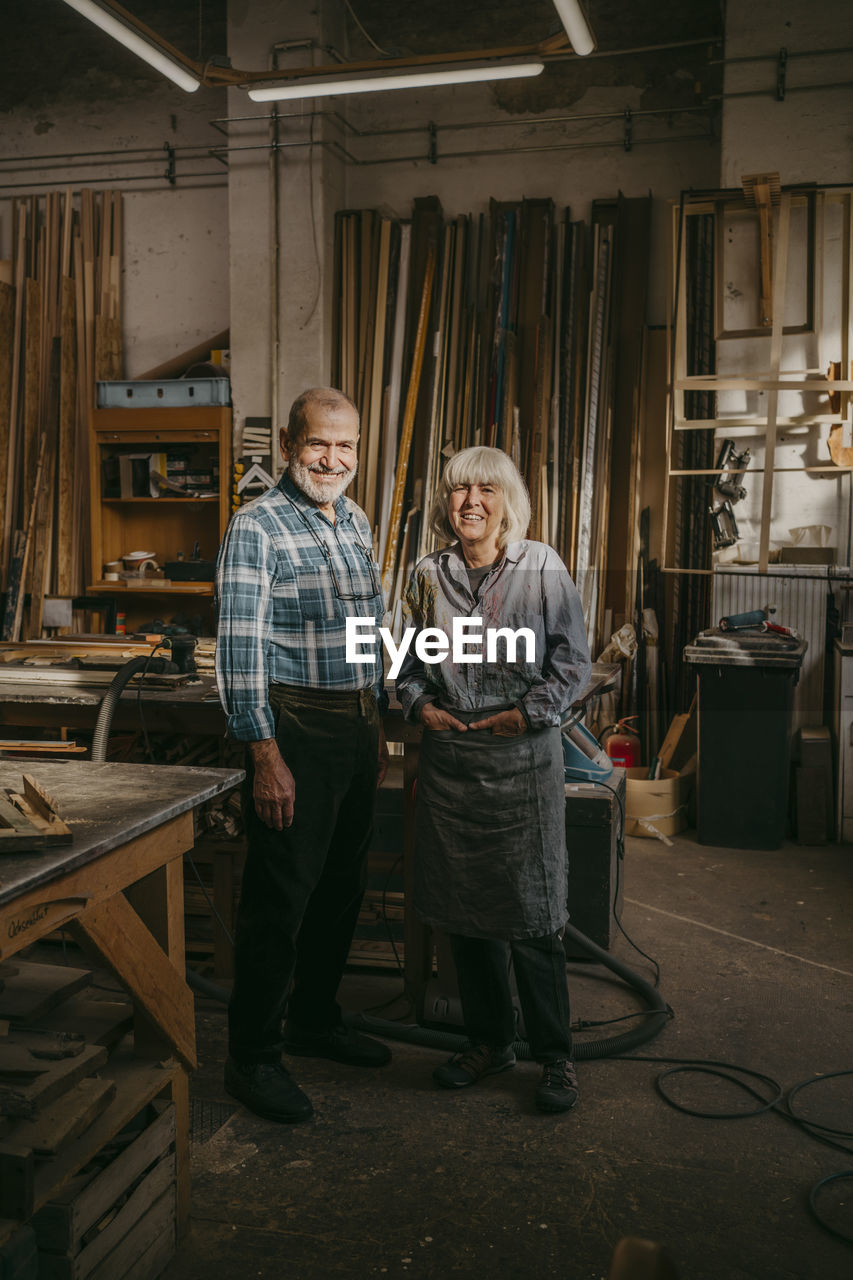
<point x="383" y="757"/>
<point x="274" y="790"/>
<point x="432" y="717"/>
<point x="506" y="724"/>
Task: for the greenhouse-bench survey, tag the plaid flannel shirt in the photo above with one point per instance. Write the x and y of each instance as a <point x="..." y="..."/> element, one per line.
<point x="287" y="578"/>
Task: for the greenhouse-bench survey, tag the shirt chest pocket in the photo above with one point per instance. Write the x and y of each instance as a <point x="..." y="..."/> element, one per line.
<point x="307" y="597"/>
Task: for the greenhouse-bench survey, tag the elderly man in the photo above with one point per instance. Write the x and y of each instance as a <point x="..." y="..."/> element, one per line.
<point x="293" y="565"/>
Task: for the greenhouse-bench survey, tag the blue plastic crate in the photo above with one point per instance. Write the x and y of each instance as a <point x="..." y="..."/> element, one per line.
<point x="169" y="392"/>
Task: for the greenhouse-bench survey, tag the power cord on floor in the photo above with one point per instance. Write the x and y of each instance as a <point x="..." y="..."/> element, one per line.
<point x="780" y="1102"/>
<point x="818" y="1216"/>
<point x="208" y="898"/>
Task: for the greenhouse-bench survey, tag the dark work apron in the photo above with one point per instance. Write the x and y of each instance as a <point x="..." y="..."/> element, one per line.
<point x="490" y="845"/>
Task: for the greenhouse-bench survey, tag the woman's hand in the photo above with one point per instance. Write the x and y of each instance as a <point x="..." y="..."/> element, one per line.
<point x="506" y="724"/>
<point x="432" y="717"/>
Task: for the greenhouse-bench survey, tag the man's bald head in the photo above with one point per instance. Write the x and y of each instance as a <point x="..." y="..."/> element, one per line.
<point x="328" y="399"/>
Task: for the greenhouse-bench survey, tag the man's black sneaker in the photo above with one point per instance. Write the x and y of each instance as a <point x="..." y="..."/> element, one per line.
<point x="558" y="1088"/>
<point x="341" y="1044"/>
<point x="267" y="1089"/>
<point x="472" y="1064"/>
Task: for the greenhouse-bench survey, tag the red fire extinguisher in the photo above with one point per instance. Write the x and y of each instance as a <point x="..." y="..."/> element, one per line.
<point x="623" y="745"/>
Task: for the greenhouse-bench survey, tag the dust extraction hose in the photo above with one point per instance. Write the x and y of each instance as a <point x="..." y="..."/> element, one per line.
<point x="413" y="1034"/>
<point x="101" y="736"/>
<point x="658" y="1016"/>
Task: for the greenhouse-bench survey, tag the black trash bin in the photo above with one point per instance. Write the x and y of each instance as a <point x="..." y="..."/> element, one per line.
<point x="746" y="685"/>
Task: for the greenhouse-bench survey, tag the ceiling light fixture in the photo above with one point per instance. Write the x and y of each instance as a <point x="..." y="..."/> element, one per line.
<point x="375" y="81"/>
<point x="576" y="26"/>
<point x="123" y="27"/>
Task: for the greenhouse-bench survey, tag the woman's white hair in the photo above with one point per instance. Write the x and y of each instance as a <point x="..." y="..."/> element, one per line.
<point x="481" y="465"/>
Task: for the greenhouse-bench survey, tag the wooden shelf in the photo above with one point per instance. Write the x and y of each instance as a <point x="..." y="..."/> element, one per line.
<point x="169" y="524"/>
<point x="187" y="418"/>
<point x="161" y="589"/>
<point x="114" y="502"/>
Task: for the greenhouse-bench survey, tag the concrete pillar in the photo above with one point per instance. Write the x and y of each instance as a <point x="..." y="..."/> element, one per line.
<point x="282" y="200"/>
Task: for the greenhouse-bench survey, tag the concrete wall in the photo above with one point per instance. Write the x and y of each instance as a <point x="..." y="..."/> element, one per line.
<point x="284" y="190"/>
<point x="210" y="249"/>
<point x="574" y="163"/>
<point x="806" y="137"/>
<point x="175" y="278"/>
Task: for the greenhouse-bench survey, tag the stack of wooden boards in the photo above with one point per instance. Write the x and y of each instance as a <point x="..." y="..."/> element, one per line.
<point x="520" y="329"/>
<point x="59" y="332"/>
<point x="86" y="1155"/>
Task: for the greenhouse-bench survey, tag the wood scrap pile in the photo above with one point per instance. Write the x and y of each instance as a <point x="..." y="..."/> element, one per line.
<point x="60" y="330"/>
<point x="84" y="1156"/>
<point x="55" y="1039"/>
<point x="29" y="821"/>
<point x="519" y="329"/>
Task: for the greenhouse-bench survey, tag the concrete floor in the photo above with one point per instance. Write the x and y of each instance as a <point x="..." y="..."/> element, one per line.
<point x="395" y="1177"/>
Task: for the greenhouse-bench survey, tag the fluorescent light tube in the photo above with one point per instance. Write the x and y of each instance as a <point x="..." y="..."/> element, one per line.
<point x="576" y="26"/>
<point x="136" y="43"/>
<point x="375" y="81"/>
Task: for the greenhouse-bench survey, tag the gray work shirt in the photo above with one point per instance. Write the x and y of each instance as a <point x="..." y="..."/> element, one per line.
<point x="529" y="588"/>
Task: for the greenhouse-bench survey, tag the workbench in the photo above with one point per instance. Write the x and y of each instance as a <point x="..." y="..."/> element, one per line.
<point x="118" y="889"/>
<point x="195" y="709"/>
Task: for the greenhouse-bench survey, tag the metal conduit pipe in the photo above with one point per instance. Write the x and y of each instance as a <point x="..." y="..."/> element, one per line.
<point x="582" y="116"/>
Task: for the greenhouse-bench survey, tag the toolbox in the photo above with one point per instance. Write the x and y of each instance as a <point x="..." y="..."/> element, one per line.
<point x="190" y="570"/>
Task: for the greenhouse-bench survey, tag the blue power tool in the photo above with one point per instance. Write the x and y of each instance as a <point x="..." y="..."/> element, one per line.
<point x="585" y="760"/>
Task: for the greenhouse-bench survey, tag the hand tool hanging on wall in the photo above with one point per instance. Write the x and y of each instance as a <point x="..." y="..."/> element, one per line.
<point x="731" y="465"/>
<point x="723" y="525"/>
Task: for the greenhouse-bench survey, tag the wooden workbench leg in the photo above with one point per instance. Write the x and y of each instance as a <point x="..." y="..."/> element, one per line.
<point x="158" y="900"/>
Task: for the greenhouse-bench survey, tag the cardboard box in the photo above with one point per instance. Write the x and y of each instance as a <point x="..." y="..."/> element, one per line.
<point x="656" y="809"/>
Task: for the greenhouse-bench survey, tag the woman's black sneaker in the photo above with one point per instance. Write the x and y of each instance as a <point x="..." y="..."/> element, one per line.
<point x="472" y="1064"/>
<point x="558" y="1088"/>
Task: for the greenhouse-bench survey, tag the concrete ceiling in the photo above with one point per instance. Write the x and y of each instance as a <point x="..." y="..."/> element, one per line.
<point x="53" y="56"/>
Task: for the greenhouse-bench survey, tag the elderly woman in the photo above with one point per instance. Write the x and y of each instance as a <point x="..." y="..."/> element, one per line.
<point x="491" y="866"/>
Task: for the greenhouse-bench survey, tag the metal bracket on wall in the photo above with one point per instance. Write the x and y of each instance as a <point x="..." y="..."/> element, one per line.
<point x="628" y="136"/>
<point x="169" y="171"/>
<point x="781" y="73"/>
<point x="432" y="154"/>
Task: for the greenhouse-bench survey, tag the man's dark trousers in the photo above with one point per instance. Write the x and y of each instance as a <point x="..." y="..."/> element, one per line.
<point x="302" y="887"/>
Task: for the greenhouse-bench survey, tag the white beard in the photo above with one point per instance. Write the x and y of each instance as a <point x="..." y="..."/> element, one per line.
<point x="322" y="494"/>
